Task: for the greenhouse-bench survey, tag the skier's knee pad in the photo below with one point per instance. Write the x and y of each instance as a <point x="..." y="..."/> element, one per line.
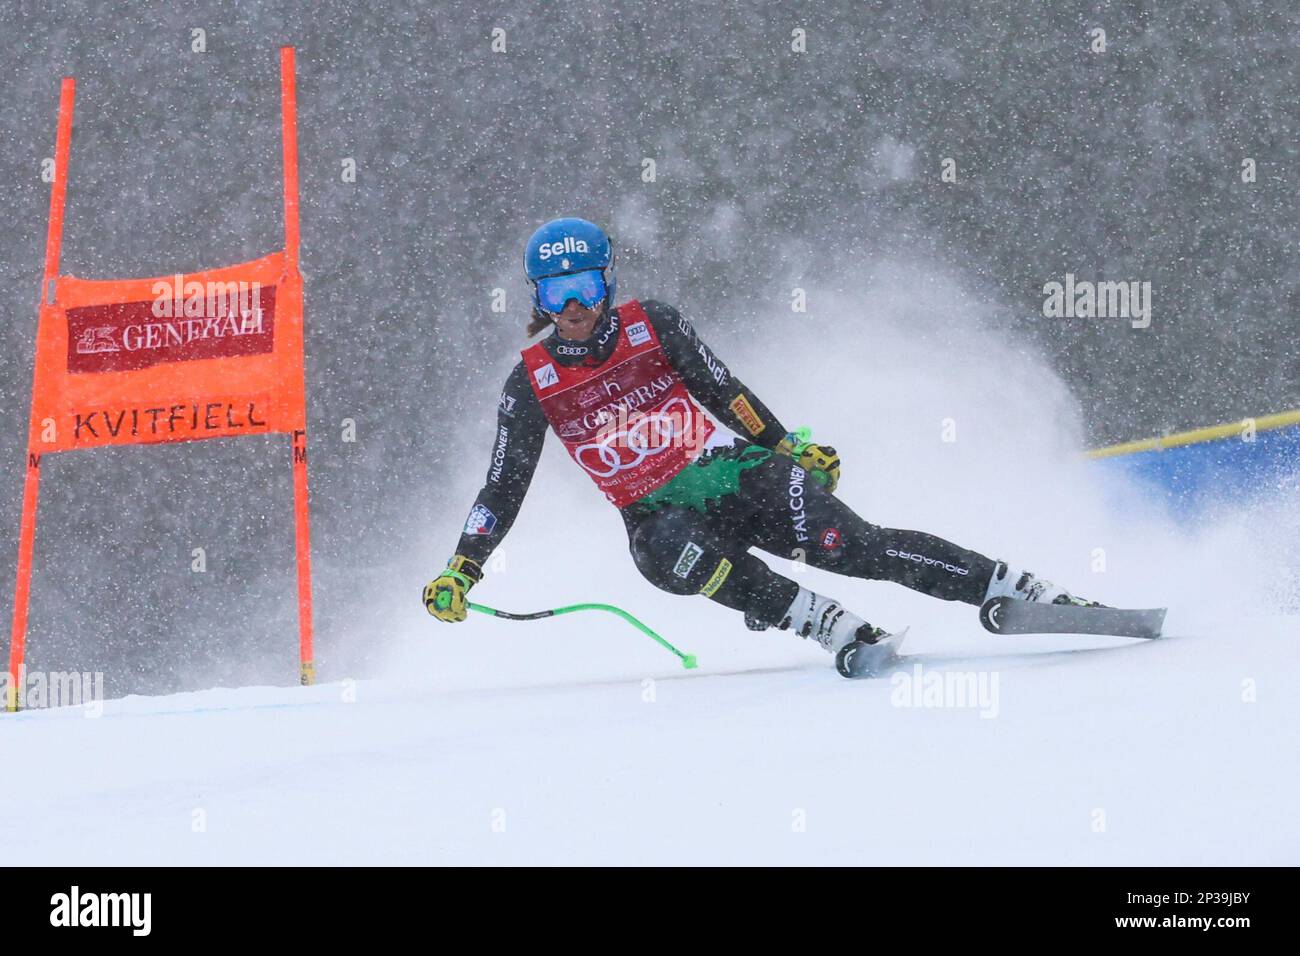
<point x="678" y="555"/>
<point x="672" y="555"/>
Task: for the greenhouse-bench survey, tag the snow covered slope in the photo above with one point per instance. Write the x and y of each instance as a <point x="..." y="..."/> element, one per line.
<point x="762" y="756"/>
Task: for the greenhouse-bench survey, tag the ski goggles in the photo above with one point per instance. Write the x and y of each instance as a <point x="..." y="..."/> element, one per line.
<point x="554" y="292"/>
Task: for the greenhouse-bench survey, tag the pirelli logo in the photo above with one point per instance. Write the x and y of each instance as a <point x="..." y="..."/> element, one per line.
<point x="745" y="412"/>
<point x="715" y="580"/>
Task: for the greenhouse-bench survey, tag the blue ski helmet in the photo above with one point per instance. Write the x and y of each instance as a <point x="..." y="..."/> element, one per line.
<point x="570" y="259"/>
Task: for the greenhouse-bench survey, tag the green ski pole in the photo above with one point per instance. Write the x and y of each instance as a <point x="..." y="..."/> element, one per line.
<point x="688" y="660"/>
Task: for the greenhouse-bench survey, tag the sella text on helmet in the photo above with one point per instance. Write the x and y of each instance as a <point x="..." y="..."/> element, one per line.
<point x="567" y="246"/>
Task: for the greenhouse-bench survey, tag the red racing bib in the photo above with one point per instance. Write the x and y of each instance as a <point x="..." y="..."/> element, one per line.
<point x="629" y="423"/>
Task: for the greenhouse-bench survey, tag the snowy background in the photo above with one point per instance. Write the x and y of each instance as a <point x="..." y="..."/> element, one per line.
<point x="775" y="170"/>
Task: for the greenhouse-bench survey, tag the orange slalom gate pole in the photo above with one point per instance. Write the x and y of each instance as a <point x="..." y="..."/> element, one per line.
<point x="22" y="587"/>
<point x="302" y="532"/>
<point x="289" y="142"/>
<point x="32" y="482"/>
<point x="302" y="547"/>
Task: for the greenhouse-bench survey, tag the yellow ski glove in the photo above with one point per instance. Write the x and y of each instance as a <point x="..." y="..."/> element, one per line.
<point x="822" y="462"/>
<point x="444" y="596"/>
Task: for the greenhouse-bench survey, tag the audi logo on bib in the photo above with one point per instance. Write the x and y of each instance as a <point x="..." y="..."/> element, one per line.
<point x="635" y="437"/>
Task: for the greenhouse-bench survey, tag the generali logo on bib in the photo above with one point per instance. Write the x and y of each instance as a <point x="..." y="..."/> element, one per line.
<point x="632" y="425"/>
<point x="618" y="403"/>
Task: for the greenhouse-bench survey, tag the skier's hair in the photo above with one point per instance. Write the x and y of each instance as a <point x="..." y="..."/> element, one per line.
<point x="539" y="321"/>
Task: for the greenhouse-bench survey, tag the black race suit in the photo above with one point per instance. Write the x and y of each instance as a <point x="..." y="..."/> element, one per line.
<point x="729" y="500"/>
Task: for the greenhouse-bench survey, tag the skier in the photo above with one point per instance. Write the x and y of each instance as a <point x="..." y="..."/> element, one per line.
<point x="622" y="387"/>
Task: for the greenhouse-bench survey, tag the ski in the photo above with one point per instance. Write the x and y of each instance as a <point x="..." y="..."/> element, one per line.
<point x="859" y="659"/>
<point x="1004" y="615"/>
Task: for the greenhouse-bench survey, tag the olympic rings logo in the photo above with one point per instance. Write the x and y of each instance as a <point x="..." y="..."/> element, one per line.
<point x="627" y="445"/>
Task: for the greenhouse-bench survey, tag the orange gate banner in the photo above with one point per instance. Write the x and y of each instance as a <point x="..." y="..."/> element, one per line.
<point x="208" y="355"/>
<point x="213" y="354"/>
